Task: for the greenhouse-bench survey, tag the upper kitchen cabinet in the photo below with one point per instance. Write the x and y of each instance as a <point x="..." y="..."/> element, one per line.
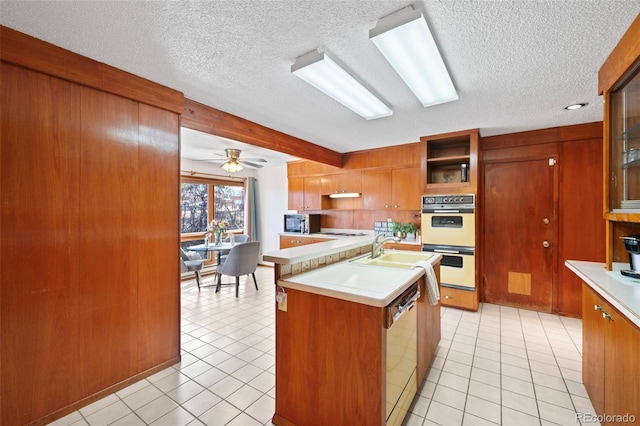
<point x="304" y="193"/>
<point x="452" y="162"/>
<point x="619" y="83"/>
<point x="624" y="149"/>
<point x="348" y="182"/>
<point x="395" y="189"/>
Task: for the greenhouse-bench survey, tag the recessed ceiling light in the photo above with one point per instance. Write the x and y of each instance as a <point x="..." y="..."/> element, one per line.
<point x="575" y="106"/>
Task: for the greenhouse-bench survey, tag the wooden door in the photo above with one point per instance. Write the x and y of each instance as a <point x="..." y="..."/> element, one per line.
<point x="519" y="232"/>
<point x="376" y="189"/>
<point x="296" y="193"/>
<point x="621" y="366"/>
<point x="406" y="188"/>
<point x="312" y="196"/>
<point x="329" y="184"/>
<point x="593" y="348"/>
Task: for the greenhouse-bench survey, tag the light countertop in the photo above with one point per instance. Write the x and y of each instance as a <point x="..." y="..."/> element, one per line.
<point x="300" y="254"/>
<point x="621" y="292"/>
<point x="367" y="284"/>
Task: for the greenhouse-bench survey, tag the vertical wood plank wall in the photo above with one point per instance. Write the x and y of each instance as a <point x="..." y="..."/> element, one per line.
<point x="89" y="230"/>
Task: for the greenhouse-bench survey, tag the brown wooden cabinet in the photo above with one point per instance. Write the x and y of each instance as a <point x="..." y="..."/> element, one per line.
<point x="401" y="246"/>
<point x="610" y="359"/>
<point x="392" y="189"/>
<point x="458" y="298"/>
<point x="619" y="82"/>
<point x="406" y="189"/>
<point x="341" y="183"/>
<point x="288" y="241"/>
<point x="376" y="189"/>
<point x="452" y="162"/>
<point x="304" y="193"/>
<point x="428" y="329"/>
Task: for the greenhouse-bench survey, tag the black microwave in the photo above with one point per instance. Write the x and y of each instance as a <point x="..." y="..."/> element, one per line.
<point x="302" y="223"/>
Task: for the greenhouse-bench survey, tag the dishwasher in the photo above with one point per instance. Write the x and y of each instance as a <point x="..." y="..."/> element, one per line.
<point x="402" y="354"/>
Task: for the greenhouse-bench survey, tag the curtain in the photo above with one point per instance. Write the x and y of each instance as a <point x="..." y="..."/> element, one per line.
<point x="251" y="210"/>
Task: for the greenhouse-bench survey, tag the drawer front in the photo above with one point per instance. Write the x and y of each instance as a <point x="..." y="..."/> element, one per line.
<point x="459" y="298"/>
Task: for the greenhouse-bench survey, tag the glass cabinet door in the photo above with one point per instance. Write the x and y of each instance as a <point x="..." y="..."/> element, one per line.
<point x="624" y="194"/>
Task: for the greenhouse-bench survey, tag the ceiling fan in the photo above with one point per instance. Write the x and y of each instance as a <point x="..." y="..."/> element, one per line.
<point x="232" y="163"/>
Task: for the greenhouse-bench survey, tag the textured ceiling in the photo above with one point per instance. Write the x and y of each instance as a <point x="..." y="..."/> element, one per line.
<point x="515" y="64"/>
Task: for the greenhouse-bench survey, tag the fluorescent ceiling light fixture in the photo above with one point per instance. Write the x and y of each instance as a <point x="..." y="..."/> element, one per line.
<point x="406" y="42"/>
<point x="323" y="73"/>
<point x="345" y="195"/>
<point x="232" y="165"/>
<point x="575" y="106"/>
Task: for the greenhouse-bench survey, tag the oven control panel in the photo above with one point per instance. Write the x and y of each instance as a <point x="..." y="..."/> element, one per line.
<point x="443" y="202"/>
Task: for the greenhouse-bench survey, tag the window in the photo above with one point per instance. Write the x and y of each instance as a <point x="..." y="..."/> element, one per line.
<point x="197" y="210"/>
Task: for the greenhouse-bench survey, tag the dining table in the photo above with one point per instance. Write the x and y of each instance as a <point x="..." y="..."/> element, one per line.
<point x="219" y="250"/>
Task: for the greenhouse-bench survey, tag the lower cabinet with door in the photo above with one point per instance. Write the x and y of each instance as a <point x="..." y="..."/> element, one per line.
<point x="288" y="241"/>
<point x="610" y="360"/>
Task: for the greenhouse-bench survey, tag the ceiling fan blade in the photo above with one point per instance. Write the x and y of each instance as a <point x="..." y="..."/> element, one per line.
<point x="259" y="160"/>
<point x="211" y="160"/>
<point x="257" y="166"/>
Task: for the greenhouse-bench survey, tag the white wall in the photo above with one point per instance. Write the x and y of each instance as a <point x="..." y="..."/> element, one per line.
<point x="272" y="205"/>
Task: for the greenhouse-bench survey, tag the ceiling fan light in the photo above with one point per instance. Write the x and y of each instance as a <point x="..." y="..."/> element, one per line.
<point x="406" y="42"/>
<point x="232" y="166"/>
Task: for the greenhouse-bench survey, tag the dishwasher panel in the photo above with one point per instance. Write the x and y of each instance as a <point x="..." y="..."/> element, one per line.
<point x="402" y="357"/>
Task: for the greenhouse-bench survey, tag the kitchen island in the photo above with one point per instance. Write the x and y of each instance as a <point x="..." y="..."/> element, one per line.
<point x="332" y="338"/>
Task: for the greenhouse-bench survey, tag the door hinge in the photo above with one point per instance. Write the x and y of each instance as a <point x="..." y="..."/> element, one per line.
<point x="552" y="161"/>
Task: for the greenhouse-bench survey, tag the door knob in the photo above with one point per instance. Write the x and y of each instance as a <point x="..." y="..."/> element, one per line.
<point x="545" y="220"/>
<point x="546" y="244"/>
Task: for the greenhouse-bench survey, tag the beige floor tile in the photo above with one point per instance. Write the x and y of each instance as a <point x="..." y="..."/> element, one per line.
<point x="519" y="402"/>
<point x="108" y="414"/>
<point x="444" y="415"/>
<point x="515" y="417"/>
<point x="176" y="417"/>
<point x="450" y="397"/>
<point x="220" y="414"/>
<point x="484" y="409"/>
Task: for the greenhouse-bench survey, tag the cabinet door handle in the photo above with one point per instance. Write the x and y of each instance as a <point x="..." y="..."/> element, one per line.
<point x="447" y="297"/>
<point x="607" y="316"/>
<point x="597" y="308"/>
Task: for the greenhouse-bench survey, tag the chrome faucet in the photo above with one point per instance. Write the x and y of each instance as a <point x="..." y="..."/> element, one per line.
<point x="376" y="246"/>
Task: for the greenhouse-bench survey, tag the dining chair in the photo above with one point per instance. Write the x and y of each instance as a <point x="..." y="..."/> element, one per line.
<point x="237" y="239"/>
<point x="241" y="238"/>
<point x="188" y="264"/>
<point x="242" y="260"/>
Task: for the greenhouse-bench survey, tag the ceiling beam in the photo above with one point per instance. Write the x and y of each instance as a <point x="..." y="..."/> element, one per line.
<point x="205" y="119"/>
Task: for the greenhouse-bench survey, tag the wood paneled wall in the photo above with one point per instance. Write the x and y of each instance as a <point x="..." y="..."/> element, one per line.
<point x="581" y="224"/>
<point x="89" y="228"/>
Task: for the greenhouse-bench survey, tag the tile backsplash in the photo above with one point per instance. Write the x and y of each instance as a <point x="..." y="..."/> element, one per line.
<point x="320" y="261"/>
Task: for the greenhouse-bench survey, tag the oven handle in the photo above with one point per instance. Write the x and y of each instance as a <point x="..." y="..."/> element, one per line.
<point x="446" y="251"/>
<point x="406" y="306"/>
